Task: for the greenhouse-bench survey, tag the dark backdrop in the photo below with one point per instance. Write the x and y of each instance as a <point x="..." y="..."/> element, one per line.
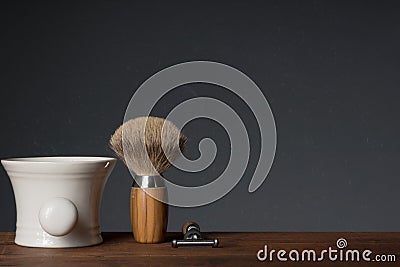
<point x="330" y="70"/>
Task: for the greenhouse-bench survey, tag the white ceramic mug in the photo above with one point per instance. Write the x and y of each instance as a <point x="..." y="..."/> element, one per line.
<point x="58" y="199"/>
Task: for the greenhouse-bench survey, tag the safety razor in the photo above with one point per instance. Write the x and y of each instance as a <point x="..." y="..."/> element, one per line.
<point x="193" y="238"/>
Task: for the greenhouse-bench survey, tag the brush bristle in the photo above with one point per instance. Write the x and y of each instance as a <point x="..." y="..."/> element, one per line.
<point x="137" y="138"/>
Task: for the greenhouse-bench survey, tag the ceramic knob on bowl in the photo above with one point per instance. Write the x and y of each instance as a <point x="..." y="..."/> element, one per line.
<point x="58" y="216"/>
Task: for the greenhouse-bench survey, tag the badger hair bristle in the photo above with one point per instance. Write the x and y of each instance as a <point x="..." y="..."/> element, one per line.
<point x="147" y="145"/>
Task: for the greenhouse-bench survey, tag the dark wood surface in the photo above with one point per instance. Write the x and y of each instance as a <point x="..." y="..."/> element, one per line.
<point x="237" y="249"/>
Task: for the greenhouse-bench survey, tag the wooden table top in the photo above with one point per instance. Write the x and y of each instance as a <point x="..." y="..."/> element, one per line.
<point x="237" y="249"/>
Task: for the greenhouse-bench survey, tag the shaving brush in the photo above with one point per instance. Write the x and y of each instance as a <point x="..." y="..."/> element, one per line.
<point x="147" y="146"/>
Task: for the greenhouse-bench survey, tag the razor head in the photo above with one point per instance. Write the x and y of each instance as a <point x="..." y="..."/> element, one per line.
<point x="212" y="243"/>
<point x="193" y="238"/>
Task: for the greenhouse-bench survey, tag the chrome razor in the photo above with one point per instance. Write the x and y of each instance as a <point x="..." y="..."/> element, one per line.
<point x="193" y="238"/>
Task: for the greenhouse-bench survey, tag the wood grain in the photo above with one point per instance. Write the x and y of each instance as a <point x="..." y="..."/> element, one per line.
<point x="237" y="249"/>
<point x="149" y="217"/>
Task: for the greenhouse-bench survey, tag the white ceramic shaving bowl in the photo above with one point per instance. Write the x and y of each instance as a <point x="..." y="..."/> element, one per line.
<point x="58" y="199"/>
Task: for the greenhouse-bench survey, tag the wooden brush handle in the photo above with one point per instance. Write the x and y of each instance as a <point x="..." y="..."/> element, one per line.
<point x="149" y="216"/>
